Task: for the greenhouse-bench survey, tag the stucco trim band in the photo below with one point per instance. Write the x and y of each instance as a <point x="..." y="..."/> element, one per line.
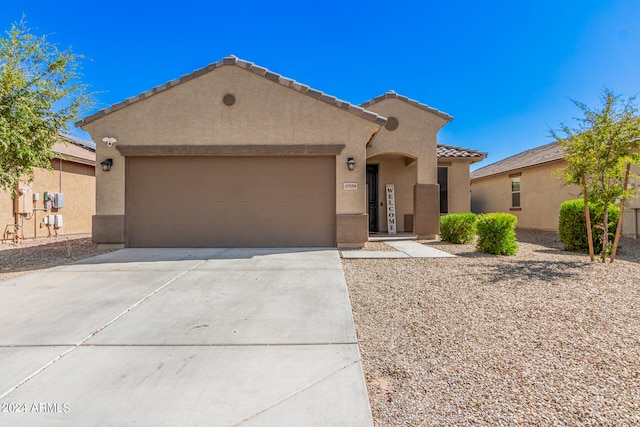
<point x="108" y="228"/>
<point x="231" y="150"/>
<point x="352" y="230"/>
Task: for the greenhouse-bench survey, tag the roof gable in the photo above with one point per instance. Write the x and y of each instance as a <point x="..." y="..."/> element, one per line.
<point x="393" y="95"/>
<point x="533" y="157"/>
<point x="249" y="66"/>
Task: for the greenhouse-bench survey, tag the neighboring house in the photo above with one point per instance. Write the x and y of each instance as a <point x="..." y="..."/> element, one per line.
<point x="236" y="155"/>
<point x="527" y="186"/>
<point x="72" y="174"/>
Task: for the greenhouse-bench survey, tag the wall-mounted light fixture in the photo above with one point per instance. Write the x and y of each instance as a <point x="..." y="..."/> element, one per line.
<point x="106" y="164"/>
<point x="109" y="140"/>
<point x="351" y="163"/>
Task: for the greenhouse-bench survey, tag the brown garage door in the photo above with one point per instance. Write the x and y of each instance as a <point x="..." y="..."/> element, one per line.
<point x="230" y="201"/>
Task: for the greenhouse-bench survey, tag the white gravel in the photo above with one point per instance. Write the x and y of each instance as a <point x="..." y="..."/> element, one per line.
<point x="542" y="338"/>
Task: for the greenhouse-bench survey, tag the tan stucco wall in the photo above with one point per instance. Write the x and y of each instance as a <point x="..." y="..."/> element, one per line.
<point x="76" y="182"/>
<point x="265" y="112"/>
<point x="6" y="210"/>
<point x="393" y="169"/>
<point x="631" y="223"/>
<point x="415" y="135"/>
<point x="459" y="190"/>
<point x="541" y="194"/>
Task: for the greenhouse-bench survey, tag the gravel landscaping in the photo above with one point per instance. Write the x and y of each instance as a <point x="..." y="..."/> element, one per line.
<point x="35" y="254"/>
<point x="541" y="338"/>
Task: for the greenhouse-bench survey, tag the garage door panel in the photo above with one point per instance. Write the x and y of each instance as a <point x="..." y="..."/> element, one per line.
<point x="230" y="202"/>
<point x="248" y="168"/>
<point x="194" y="235"/>
<point x="151" y="191"/>
<point x="274" y="213"/>
<point x="233" y="213"/>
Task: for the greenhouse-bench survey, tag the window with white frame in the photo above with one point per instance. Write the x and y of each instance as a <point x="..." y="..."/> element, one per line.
<point x="515" y="191"/>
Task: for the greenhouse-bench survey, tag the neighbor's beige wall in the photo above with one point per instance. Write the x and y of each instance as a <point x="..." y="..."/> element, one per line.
<point x="415" y="135"/>
<point x="265" y="112"/>
<point x="459" y="190"/>
<point x="77" y="185"/>
<point x="541" y="194"/>
<point x="6" y="210"/>
<point x="631" y="222"/>
<point x="394" y="170"/>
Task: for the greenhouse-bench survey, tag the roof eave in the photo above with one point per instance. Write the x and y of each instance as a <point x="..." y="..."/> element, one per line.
<point x="512" y="170"/>
<point x="74" y="159"/>
<point x="468" y="159"/>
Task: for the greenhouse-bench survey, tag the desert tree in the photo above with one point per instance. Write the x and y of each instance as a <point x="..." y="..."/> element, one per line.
<point x="599" y="153"/>
<point x="40" y="95"/>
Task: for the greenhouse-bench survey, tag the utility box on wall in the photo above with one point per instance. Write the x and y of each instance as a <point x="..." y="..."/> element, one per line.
<point x="25" y="201"/>
<point x="58" y="200"/>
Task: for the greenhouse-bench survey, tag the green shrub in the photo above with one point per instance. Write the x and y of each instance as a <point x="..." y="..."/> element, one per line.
<point x="458" y="227"/>
<point x="572" y="227"/>
<point x="497" y="234"/>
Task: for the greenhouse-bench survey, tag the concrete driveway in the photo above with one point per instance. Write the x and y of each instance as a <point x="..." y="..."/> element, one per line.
<point x="182" y="337"/>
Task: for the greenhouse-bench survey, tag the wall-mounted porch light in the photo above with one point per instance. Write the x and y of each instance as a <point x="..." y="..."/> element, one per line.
<point x="106" y="164"/>
<point x="351" y="163"/>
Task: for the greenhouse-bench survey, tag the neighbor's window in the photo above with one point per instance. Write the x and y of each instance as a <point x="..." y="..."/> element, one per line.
<point x="515" y="192"/>
<point x="443" y="178"/>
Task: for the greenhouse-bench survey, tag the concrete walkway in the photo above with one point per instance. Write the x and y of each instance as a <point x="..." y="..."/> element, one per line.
<point x="183" y="337"/>
<point x="404" y="249"/>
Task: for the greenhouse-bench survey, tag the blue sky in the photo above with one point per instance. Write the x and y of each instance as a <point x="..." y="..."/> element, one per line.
<point x="505" y="70"/>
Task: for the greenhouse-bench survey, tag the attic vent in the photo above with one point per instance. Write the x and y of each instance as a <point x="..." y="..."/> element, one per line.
<point x="392" y="123"/>
<point x="229" y="100"/>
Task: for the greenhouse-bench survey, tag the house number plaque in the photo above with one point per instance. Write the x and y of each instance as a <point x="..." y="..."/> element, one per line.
<point x="350" y="185"/>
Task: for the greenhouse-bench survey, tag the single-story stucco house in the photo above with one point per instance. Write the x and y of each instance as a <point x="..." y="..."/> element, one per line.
<point x="236" y="155"/>
<point x="528" y="186"/>
<point x="72" y="175"/>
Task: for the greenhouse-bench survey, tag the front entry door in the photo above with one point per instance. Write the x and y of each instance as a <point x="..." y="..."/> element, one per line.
<point x="372" y="197"/>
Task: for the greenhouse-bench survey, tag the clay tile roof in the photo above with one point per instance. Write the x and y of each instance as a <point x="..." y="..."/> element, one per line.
<point x="392" y="94"/>
<point x="249" y="66"/>
<point x="448" y="151"/>
<point x="535" y="156"/>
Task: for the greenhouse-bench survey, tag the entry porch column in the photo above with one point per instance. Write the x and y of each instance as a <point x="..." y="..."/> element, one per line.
<point x="426" y="210"/>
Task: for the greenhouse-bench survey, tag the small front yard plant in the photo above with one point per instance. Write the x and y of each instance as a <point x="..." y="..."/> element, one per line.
<point x="497" y="234"/>
<point x="572" y="227"/>
<point x="458" y="228"/>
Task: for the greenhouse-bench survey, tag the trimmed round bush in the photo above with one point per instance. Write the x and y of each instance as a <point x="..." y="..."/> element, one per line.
<point x="572" y="227"/>
<point x="497" y="234"/>
<point x="458" y="228"/>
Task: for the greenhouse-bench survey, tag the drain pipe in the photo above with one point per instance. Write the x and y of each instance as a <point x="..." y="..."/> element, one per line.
<point x="22" y="218"/>
<point x="635" y="223"/>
